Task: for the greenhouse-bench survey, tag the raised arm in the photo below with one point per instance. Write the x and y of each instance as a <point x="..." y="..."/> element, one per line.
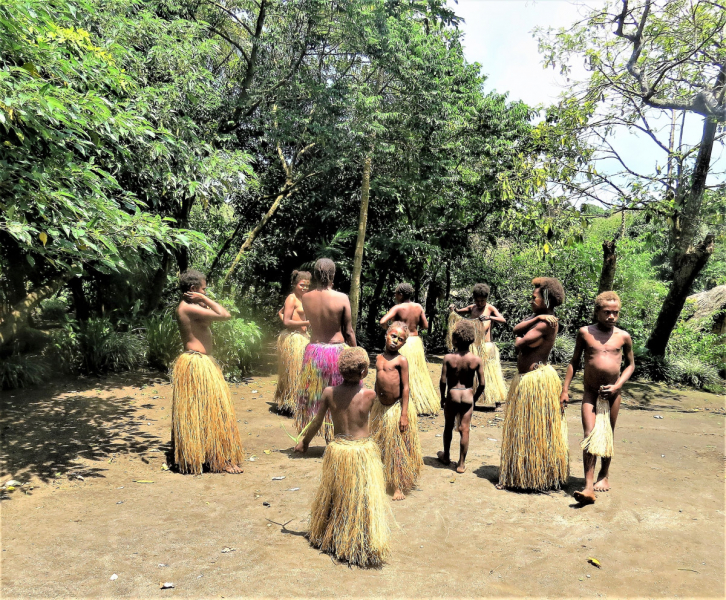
<point x="403" y="422"/>
<point x="316" y="423"/>
<point x="461" y="311"/>
<point x="480" y="374"/>
<point x="389" y="316"/>
<point x="213" y="312"/>
<point x="442" y="383"/>
<point x="287" y="311"/>
<point x="572" y="368"/>
<point x="346" y="325"/>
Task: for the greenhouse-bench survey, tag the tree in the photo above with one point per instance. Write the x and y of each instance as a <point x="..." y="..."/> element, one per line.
<point x="652" y="61"/>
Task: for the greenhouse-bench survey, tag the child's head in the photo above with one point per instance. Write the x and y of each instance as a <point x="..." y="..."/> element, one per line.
<point x="607" y="309"/>
<point x="396" y="336"/>
<point x="353" y="364"/>
<point x="481" y="294"/>
<point x="324" y="271"/>
<point x="192" y="281"/>
<point x="463" y="335"/>
<point x="404" y="292"/>
<point x="548" y="293"/>
<point x="300" y="281"/>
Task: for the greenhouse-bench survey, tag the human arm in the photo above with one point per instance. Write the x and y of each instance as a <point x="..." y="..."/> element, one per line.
<point x="461" y="311"/>
<point x="533" y="337"/>
<point x="614" y="389"/>
<point x="316" y="423"/>
<point x="480" y="388"/>
<point x="524" y="326"/>
<point x="442" y="383"/>
<point x="389" y="316"/>
<point x="423" y="322"/>
<point x="288" y="311"/>
<point x="194" y="308"/>
<point x="494" y="315"/>
<point x="347" y="325"/>
<point x="572" y="368"/>
<point x="403" y="423"/>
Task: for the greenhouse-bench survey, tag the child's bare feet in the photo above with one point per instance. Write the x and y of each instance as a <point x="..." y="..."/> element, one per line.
<point x="586" y="496"/>
<point x="398" y="495"/>
<point x="460" y="468"/>
<point x="443" y="458"/>
<point x="602" y="484"/>
<point x="233" y="469"/>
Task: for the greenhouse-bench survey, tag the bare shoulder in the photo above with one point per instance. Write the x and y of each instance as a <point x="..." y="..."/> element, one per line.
<point x="368" y="394"/>
<point x="402" y="360"/>
<point x="624" y="335"/>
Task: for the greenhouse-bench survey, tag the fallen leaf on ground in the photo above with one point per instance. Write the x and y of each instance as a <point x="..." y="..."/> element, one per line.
<point x="278" y="478"/>
<point x="164" y="467"/>
<point x="268" y="451"/>
<point x="594" y="561"/>
<point x="453" y="480"/>
<point x="166" y="585"/>
<point x="143" y="481"/>
<point x="227" y="550"/>
<point x="265" y="504"/>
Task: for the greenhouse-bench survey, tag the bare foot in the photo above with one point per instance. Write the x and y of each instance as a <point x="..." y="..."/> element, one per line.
<point x="398" y="495"/>
<point x="460" y="468"/>
<point x="585" y="496"/>
<point x="602" y="485"/>
<point x="443" y="458"/>
<point x="233" y="469"/>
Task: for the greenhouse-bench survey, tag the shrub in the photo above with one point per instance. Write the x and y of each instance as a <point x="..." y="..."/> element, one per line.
<point x="690" y="370"/>
<point x="237" y="342"/>
<point x="163" y="339"/>
<point x="563" y="349"/>
<point x="22" y="370"/>
<point x="54" y="309"/>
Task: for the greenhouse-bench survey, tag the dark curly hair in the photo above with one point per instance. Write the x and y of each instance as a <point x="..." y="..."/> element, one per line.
<point x="406" y="290"/>
<point x="324" y="273"/>
<point x="463" y="335"/>
<point x="481" y="290"/>
<point x="352" y="363"/>
<point x="551" y="289"/>
<point x="298" y="276"/>
<point x="400" y="324"/>
<point x="190" y="278"/>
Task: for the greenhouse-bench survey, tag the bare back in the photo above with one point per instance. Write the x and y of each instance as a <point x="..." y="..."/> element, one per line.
<point x="458" y="371"/>
<point x="330" y="317"/>
<point x="411" y="313"/>
<point x="194" y="328"/>
<point x="535" y="346"/>
<point x="350" y="405"/>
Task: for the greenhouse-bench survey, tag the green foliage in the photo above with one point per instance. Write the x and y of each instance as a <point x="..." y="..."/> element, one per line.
<point x="237" y="343"/>
<point x="54" y="310"/>
<point x="164" y="342"/>
<point x="22" y="370"/>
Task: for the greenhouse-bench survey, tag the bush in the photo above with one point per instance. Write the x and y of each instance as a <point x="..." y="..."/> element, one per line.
<point x="22" y="370"/>
<point x="164" y="341"/>
<point x="237" y="343"/>
<point x="563" y="349"/>
<point x="690" y="370"/>
<point x="54" y="309"/>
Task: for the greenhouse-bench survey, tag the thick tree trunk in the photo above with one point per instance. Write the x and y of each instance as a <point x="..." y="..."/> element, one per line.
<point x="689" y="266"/>
<point x="80" y="303"/>
<point x="156" y="285"/>
<point x="383" y="275"/>
<point x="360" y="242"/>
<point x="431" y="298"/>
<point x="609" y="261"/>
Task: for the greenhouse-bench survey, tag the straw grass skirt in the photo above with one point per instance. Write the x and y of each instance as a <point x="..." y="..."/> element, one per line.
<point x="422" y="393"/>
<point x="204" y="427"/>
<point x="319" y="370"/>
<point x="495" y="388"/>
<point x="400" y="452"/>
<point x="290" y="352"/>
<point x="535" y="453"/>
<point x="349" y="513"/>
<point x="600" y="441"/>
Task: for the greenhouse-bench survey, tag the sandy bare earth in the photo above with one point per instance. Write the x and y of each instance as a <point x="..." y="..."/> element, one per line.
<point x="658" y="532"/>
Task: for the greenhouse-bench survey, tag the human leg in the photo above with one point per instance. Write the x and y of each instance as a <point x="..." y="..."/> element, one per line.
<point x="587" y="496"/>
<point x="465" y="413"/>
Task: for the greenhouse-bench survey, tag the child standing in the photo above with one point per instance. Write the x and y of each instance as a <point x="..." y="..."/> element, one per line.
<point x="348" y="517"/>
<point x="605" y="346"/>
<point x="457" y="374"/>
<point x="394" y="424"/>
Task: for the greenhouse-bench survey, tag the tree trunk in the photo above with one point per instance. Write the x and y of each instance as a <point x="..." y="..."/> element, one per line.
<point x="156" y="286"/>
<point x="383" y="274"/>
<point x="448" y="281"/>
<point x="689" y="259"/>
<point x="360" y="242"/>
<point x="80" y="302"/>
<point x="609" y="260"/>
<point x="690" y="266"/>
<point x="431" y="298"/>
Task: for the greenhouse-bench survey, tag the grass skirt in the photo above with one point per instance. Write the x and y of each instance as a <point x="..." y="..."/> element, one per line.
<point x="422" y="393"/>
<point x="349" y="513"/>
<point x="600" y="440"/>
<point x="495" y="388"/>
<point x="203" y="425"/>
<point x="400" y="452"/>
<point x="535" y="453"/>
<point x="290" y="352"/>
<point x="319" y="370"/>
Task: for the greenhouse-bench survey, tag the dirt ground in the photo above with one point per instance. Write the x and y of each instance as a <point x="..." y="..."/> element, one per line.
<point x="97" y="503"/>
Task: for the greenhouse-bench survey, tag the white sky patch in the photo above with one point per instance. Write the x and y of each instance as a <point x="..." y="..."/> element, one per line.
<point x="498" y="35"/>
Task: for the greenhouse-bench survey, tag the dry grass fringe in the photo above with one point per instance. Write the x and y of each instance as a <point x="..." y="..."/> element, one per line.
<point x="204" y="427"/>
<point x="319" y="370"/>
<point x="349" y="513"/>
<point x="535" y="452"/>
<point x="400" y="452"/>
<point x="600" y="440"/>
<point x="422" y="393"/>
<point x="290" y="353"/>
